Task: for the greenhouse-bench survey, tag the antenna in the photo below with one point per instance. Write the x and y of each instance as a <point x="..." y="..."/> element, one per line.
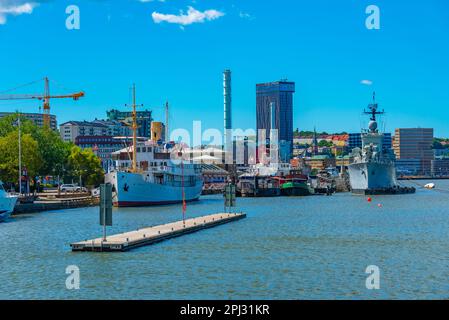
<point x="167" y="130"/>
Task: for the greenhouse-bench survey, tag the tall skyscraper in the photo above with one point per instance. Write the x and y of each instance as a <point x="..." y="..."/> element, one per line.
<point x="280" y="93"/>
<point x="414" y="144"/>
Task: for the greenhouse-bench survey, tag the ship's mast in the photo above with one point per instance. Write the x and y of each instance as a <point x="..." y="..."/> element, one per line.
<point x="134" y="127"/>
<point x="167" y="130"/>
<point x="373" y="109"/>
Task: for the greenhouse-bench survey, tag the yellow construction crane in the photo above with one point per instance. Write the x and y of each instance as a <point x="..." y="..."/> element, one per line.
<point x="45" y="97"/>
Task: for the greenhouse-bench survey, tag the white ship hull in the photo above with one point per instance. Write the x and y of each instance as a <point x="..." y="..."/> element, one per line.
<point x="132" y="190"/>
<point x="367" y="176"/>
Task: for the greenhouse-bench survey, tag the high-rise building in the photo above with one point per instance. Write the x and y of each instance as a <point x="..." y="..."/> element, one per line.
<point x="37" y="118"/>
<point x="416" y="144"/>
<point x="144" y="119"/>
<point x="280" y="93"/>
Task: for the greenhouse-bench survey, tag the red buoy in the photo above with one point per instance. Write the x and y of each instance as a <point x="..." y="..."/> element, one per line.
<point x="369" y="199"/>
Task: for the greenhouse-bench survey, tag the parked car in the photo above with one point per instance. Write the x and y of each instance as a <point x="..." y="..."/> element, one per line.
<point x="70" y="188"/>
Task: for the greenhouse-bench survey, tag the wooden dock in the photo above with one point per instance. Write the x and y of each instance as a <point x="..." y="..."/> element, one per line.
<point x="148" y="236"/>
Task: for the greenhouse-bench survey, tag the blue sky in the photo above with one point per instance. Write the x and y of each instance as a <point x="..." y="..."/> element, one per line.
<point x="322" y="45"/>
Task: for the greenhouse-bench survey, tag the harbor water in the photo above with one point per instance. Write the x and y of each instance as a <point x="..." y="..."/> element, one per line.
<point x="287" y="248"/>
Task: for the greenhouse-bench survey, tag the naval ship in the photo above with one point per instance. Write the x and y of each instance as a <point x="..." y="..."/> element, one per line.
<point x="372" y="168"/>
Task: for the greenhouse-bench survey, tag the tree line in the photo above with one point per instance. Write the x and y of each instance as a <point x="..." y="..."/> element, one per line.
<point x="44" y="153"/>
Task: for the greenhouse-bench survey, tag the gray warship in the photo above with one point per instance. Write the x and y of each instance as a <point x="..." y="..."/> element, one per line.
<point x="372" y="169"/>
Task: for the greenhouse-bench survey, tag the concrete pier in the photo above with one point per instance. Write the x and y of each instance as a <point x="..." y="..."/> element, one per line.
<point x="148" y="236"/>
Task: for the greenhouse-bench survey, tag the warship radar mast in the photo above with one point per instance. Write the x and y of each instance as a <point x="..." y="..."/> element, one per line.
<point x="373" y="113"/>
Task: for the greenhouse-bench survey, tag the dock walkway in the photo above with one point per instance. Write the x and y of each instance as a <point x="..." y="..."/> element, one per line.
<point x="147" y="236"/>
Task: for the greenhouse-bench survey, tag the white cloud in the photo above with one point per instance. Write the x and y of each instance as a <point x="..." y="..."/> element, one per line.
<point x="192" y="16"/>
<point x="15" y="8"/>
<point x="366" y="82"/>
<point x="245" y="15"/>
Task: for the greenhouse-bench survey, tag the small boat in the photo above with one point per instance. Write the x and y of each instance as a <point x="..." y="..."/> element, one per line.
<point x="7" y="203"/>
<point x="430" y="186"/>
<point x="295" y="188"/>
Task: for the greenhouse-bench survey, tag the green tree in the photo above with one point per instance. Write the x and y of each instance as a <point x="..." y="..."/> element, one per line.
<point x="56" y="157"/>
<point x="324" y="143"/>
<point x="53" y="149"/>
<point x="9" y="149"/>
<point x="85" y="164"/>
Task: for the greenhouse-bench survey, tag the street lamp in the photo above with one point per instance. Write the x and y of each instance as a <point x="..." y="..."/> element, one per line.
<point x="18" y="124"/>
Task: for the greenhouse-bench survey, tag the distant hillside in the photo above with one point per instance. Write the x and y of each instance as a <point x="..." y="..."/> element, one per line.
<point x="310" y="134"/>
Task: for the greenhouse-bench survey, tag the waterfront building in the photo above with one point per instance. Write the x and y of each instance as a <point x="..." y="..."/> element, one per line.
<point x="355" y="140"/>
<point x="441" y="153"/>
<point x="320" y="162"/>
<point x="102" y="146"/>
<point x="415" y="144"/>
<point x="144" y="119"/>
<point x="70" y="130"/>
<point x="440" y="167"/>
<point x="342" y="162"/>
<point x="214" y="178"/>
<point x="408" y="166"/>
<point x="115" y="128"/>
<point x="280" y="93"/>
<point x="36" y="118"/>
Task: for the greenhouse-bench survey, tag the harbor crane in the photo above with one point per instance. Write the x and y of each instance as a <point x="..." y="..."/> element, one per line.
<point x="45" y="97"/>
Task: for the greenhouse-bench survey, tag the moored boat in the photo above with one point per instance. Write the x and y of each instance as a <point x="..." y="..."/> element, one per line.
<point x="152" y="173"/>
<point x="295" y="188"/>
<point x="7" y="203"/>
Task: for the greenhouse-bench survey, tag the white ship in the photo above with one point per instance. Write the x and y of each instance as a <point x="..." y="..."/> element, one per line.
<point x="372" y="169"/>
<point x="7" y="203"/>
<point x="157" y="180"/>
<point x="144" y="174"/>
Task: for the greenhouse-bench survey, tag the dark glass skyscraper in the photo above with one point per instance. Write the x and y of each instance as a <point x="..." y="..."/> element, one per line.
<point x="281" y="94"/>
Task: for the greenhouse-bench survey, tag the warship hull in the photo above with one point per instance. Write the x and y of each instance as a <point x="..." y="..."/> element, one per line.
<point x="371" y="178"/>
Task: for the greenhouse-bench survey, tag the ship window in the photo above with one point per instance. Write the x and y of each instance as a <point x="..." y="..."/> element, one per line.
<point x="138" y="150"/>
<point x="144" y="149"/>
